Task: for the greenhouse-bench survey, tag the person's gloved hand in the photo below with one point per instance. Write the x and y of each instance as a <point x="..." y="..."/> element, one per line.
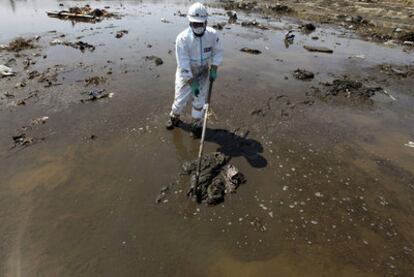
<point x="213" y="73"/>
<point x="195" y="88"/>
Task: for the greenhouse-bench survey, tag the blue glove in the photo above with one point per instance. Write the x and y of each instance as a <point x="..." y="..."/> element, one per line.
<point x="195" y="88"/>
<point x="213" y="74"/>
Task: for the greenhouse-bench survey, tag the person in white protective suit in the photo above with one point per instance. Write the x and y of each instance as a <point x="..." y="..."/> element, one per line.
<point x="199" y="53"/>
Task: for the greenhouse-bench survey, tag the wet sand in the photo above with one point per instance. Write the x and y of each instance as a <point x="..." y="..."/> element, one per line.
<point x="330" y="181"/>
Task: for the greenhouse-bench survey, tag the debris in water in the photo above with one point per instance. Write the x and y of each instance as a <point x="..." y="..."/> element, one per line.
<point x="20" y="44"/>
<point x="85" y="13"/>
<point x="6" y="71"/>
<point x="95" y="80"/>
<point x="77" y="45"/>
<point x="309" y="27"/>
<point x="302" y="74"/>
<point x="219" y="26"/>
<point x="217" y="178"/>
<point x="163" y="193"/>
<point x="121" y="33"/>
<point x="40" y="120"/>
<point x="289" y="35"/>
<point x="255" y="24"/>
<point x="232" y="17"/>
<point x="320" y="49"/>
<point x="157" y="60"/>
<point x="96" y="94"/>
<point x="251" y="51"/>
<point x="318" y="194"/>
<point x="410" y="144"/>
<point x="22" y="140"/>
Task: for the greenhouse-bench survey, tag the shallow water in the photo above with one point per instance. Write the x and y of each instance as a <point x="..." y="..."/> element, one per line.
<point x="332" y="184"/>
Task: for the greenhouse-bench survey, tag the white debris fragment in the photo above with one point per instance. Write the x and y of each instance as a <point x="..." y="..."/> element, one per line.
<point x="263" y="207"/>
<point x="410" y="144"/>
<point x="6" y="71"/>
<point x="285" y="188"/>
<point x="318" y="194"/>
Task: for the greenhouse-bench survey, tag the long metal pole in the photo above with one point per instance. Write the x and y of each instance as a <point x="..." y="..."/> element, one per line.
<point x="203" y="134"/>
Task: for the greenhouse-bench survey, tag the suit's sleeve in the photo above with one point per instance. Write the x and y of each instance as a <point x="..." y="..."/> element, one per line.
<point x="217" y="51"/>
<point x="183" y="59"/>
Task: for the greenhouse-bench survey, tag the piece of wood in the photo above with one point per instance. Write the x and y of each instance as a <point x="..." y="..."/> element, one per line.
<point x="321" y="49"/>
<point x="70" y="15"/>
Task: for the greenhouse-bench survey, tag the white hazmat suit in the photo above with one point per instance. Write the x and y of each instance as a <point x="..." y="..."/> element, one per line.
<point x="195" y="55"/>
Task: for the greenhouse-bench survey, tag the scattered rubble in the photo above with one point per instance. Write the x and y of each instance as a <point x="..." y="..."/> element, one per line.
<point x="97" y="94"/>
<point x="251" y="51"/>
<point x="163" y="194"/>
<point x="20" y="44"/>
<point x="121" y="33"/>
<point x="350" y="89"/>
<point x="22" y="140"/>
<point x="302" y="74"/>
<point x="309" y="27"/>
<point x="232" y="17"/>
<point x="82" y="46"/>
<point x="179" y="13"/>
<point x="255" y="24"/>
<point x="157" y="60"/>
<point x="94" y="80"/>
<point x="40" y="120"/>
<point x="217" y="178"/>
<point x="320" y="49"/>
<point x="400" y="71"/>
<point x="219" y="26"/>
<point x="6" y="71"/>
<point x="85" y="13"/>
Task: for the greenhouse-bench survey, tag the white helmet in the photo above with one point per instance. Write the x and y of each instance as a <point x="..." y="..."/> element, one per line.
<point x="197" y="13"/>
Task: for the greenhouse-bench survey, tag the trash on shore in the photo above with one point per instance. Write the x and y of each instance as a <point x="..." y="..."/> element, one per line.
<point x="97" y="94"/>
<point x="255" y="24"/>
<point x="19" y="44"/>
<point x="94" y="80"/>
<point x="6" y="71"/>
<point x="40" y="120"/>
<point x="410" y="144"/>
<point x="217" y="178"/>
<point x="22" y="140"/>
<point x="302" y="74"/>
<point x="157" y="60"/>
<point x="81" y="45"/>
<point x="320" y="49"/>
<point x="251" y="51"/>
<point x="121" y="33"/>
<point x="308" y="28"/>
<point x="232" y="17"/>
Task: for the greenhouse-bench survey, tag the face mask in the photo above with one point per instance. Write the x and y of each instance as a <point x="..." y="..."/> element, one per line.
<point x="198" y="31"/>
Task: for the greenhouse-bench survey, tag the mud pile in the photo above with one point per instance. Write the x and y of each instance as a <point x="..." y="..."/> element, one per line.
<point x="217" y="178"/>
<point x="350" y="89"/>
<point x="20" y="44"/>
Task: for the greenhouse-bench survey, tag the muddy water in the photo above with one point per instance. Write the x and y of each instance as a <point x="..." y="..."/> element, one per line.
<point x="330" y="186"/>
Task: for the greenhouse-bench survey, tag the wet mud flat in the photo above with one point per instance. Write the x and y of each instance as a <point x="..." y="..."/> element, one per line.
<point x="322" y="140"/>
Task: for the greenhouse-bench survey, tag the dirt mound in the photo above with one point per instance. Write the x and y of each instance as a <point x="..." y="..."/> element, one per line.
<point x="349" y="89"/>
